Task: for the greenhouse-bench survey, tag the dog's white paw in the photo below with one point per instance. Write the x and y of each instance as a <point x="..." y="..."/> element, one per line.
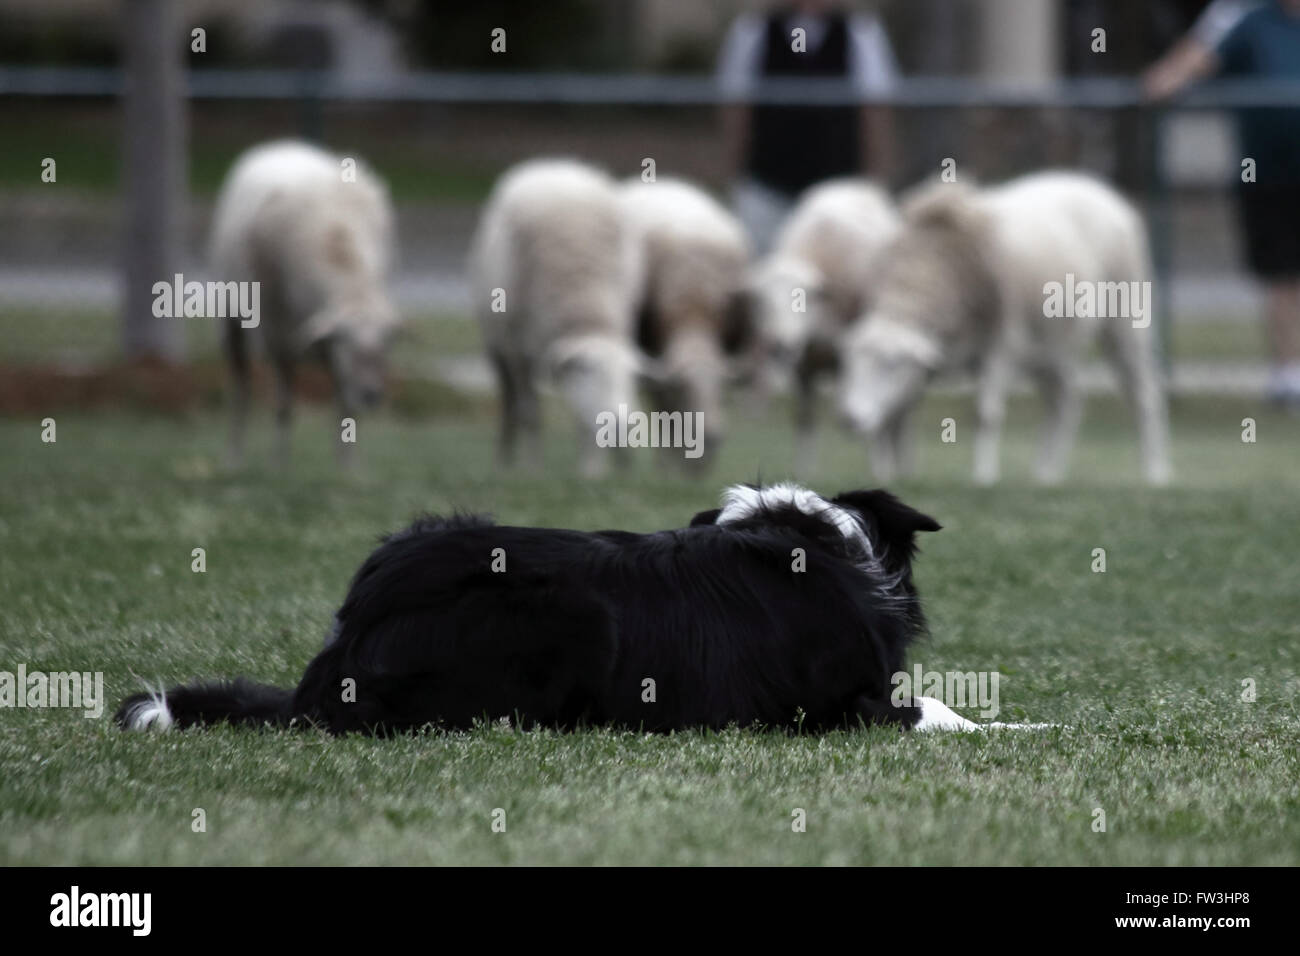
<point x="936" y="715"/>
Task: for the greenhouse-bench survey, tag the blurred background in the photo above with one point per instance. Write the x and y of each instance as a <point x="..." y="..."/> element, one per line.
<point x="143" y="119"/>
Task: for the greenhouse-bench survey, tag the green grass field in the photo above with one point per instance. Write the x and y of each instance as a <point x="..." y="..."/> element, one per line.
<point x="1144" y="663"/>
<point x="43" y="335"/>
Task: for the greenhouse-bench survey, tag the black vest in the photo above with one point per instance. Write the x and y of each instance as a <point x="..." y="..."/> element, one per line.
<point x="794" y="147"/>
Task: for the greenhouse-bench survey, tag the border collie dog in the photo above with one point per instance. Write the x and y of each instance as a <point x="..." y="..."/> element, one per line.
<point x="781" y="608"/>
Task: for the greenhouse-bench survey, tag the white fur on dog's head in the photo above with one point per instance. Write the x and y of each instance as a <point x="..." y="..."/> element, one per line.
<point x="743" y="502"/>
<point x="877" y="530"/>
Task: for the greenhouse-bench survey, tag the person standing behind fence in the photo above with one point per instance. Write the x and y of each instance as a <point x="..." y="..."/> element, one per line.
<point x="778" y="150"/>
<point x="1263" y="43"/>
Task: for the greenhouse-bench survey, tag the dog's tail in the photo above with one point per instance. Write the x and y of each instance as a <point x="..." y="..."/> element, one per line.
<point x="236" y="702"/>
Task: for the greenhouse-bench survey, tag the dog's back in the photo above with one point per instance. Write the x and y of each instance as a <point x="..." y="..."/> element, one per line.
<point x="746" y="622"/>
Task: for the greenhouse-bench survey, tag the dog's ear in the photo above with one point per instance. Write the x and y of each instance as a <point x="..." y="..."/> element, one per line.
<point x="706" y="517"/>
<point x="893" y="516"/>
<point x="896" y="523"/>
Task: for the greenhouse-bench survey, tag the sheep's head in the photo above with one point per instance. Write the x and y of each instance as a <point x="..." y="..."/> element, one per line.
<point x="596" y="373"/>
<point x="886" y="365"/>
<point x="788" y="302"/>
<point x="355" y="340"/>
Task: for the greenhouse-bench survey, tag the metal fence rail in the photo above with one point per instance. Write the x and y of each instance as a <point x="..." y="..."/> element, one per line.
<point x="645" y="89"/>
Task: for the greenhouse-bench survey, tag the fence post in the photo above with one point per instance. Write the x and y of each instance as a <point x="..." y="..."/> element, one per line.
<point x="1162" y="230"/>
<point x="154" y="173"/>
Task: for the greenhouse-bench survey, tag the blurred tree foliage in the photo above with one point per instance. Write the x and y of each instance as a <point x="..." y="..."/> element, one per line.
<point x="30" y="41"/>
<point x="436" y="34"/>
<point x="540" y="34"/>
<point x="62" y="40"/>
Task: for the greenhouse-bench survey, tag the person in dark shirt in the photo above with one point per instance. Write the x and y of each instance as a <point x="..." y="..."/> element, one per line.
<point x="1265" y="43"/>
<point x="779" y="150"/>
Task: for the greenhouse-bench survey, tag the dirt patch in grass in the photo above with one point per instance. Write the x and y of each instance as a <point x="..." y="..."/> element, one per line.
<point x="168" y="388"/>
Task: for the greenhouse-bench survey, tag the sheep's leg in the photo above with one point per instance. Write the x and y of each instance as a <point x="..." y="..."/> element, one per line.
<point x="990" y="412"/>
<point x="528" y="410"/>
<point x="1060" y="388"/>
<point x="347" y="450"/>
<point x="347" y="453"/>
<point x="284" y="375"/>
<point x="661" y="399"/>
<point x="758" y="392"/>
<point x="509" y="410"/>
<point x="236" y="344"/>
<point x="884" y="455"/>
<point x="900" y="435"/>
<point x="1130" y="350"/>
<point x="805" y="421"/>
<point x="891" y="448"/>
<point x="593" y="462"/>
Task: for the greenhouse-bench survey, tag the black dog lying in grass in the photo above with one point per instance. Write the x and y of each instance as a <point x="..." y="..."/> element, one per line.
<point x="780" y="608"/>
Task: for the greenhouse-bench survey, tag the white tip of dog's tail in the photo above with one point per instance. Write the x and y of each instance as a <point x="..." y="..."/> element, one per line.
<point x="936" y="715"/>
<point x="150" y="712"/>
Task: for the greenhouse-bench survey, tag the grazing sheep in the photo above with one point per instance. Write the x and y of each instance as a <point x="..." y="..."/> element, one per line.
<point x="979" y="279"/>
<point x="818" y="279"/>
<point x="315" y="231"/>
<point x="553" y="268"/>
<point x="691" y="295"/>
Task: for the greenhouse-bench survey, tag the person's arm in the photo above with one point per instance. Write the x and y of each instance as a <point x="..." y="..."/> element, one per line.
<point x="879" y="154"/>
<point x="735" y="135"/>
<point x="875" y="72"/>
<point x="738" y="71"/>
<point x="1188" y="62"/>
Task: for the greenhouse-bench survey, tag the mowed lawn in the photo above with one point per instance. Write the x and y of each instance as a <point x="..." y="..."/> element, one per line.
<point x="1142" y="666"/>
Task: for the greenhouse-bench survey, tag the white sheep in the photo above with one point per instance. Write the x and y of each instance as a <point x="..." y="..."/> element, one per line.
<point x="691" y="295"/>
<point x="1017" y="277"/>
<point x="553" y="271"/>
<point x="315" y="231"/>
<point x="818" y="279"/>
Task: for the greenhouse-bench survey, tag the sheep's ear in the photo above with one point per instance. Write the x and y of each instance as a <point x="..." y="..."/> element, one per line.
<point x="317" y="329"/>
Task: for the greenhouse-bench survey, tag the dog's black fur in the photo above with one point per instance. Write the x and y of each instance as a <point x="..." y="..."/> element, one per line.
<point x="578" y="622"/>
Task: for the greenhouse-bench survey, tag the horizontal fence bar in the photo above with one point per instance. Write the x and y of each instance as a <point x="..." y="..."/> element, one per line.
<point x="596" y="89"/>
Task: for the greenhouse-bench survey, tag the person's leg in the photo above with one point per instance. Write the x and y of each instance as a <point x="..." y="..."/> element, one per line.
<point x="1268" y="214"/>
<point x="761" y="210"/>
<point x="1284" y="338"/>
